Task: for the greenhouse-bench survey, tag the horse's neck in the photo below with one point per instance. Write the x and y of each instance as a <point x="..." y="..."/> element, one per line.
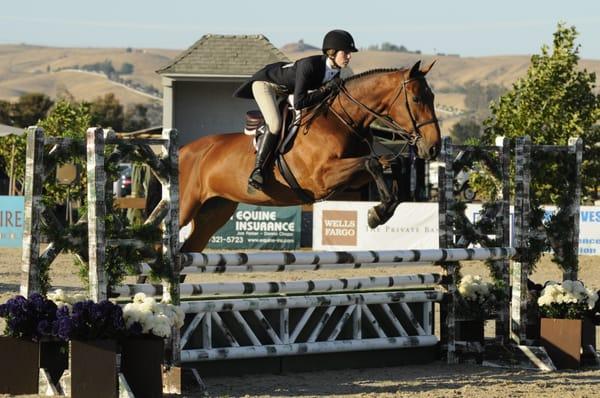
<point x="373" y="92"/>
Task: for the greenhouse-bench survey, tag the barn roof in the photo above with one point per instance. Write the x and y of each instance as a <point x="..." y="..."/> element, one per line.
<point x="225" y="55"/>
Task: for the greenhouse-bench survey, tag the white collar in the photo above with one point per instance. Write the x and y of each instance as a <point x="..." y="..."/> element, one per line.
<point x="330" y="70"/>
<point x="329" y="65"/>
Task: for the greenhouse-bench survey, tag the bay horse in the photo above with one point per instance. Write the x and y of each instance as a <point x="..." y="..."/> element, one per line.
<point x="331" y="151"/>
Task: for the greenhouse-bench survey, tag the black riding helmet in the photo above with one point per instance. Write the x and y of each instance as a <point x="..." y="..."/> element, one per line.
<point x="338" y="40"/>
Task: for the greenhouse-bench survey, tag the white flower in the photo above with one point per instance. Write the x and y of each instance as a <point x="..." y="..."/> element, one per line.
<point x="568" y="292"/>
<point x="161" y="326"/>
<point x="157" y="318"/>
<point x="139" y="298"/>
<point x="149" y="304"/>
<point x="474" y="288"/>
<point x="60" y="296"/>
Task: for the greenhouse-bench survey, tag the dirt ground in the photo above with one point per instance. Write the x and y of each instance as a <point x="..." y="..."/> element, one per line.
<point x="432" y="380"/>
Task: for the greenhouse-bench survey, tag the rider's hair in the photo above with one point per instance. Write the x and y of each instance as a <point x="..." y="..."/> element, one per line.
<point x="331" y="52"/>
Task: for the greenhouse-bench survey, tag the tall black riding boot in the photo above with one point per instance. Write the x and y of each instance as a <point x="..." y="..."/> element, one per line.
<point x="265" y="148"/>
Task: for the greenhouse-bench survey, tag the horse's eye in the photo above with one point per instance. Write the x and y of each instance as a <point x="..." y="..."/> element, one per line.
<point x="416" y="99"/>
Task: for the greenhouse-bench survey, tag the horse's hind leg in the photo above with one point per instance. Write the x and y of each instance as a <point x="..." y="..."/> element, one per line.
<point x="211" y="216"/>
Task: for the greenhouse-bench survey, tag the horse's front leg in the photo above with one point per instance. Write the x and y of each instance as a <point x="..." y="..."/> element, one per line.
<point x="355" y="172"/>
<point x="381" y="213"/>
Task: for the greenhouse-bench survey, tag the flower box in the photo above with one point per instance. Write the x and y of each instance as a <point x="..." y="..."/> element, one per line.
<point x="563" y="339"/>
<point x="94" y="369"/>
<point x="141" y="364"/>
<point x="469" y="330"/>
<point x="19" y="366"/>
<point x="54" y="357"/>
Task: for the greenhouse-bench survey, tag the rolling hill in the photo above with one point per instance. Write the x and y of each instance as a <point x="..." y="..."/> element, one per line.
<point x="50" y="70"/>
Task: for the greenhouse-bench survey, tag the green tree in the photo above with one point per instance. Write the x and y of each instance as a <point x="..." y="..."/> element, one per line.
<point x="464" y="130"/>
<point x="71" y="120"/>
<point x="107" y="112"/>
<point x="553" y="102"/>
<point x="5" y="108"/>
<point x="126" y="69"/>
<point x="65" y="119"/>
<point x="136" y="118"/>
<point x="30" y="109"/>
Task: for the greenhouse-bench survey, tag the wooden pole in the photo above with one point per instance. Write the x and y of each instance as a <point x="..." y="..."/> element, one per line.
<point x="34" y="180"/>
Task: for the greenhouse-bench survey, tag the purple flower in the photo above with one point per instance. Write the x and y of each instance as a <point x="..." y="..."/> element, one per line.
<point x="89" y="320"/>
<point x="30" y="318"/>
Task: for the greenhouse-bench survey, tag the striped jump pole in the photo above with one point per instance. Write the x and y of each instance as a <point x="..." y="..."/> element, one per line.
<point x="344" y="257"/>
<point x="284" y="287"/>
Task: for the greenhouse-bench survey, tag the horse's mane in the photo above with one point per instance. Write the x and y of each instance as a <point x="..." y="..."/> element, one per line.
<point x="372" y="72"/>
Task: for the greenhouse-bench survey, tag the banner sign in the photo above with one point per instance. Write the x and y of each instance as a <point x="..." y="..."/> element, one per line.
<point x="339" y="225"/>
<point x="12" y="218"/>
<point x="260" y="227"/>
<point x="589" y="228"/>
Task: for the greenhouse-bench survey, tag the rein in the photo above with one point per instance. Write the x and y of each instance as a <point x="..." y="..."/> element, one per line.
<point x="410" y="137"/>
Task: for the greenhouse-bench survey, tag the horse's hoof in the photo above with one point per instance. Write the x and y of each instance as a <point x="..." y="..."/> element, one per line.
<point x="373" y="218"/>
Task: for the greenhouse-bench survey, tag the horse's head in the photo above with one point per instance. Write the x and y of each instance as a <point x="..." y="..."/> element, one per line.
<point x="398" y="99"/>
<point x="413" y="109"/>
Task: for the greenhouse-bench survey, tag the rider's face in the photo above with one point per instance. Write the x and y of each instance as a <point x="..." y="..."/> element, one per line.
<point x="342" y="58"/>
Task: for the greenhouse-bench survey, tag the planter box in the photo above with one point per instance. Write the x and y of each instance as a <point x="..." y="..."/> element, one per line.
<point x="564" y="338"/>
<point x="471" y="330"/>
<point x="54" y="357"/>
<point x="94" y="369"/>
<point x="141" y="364"/>
<point x="19" y="366"/>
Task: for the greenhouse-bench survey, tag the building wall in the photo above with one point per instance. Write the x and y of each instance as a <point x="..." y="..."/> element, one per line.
<point x="204" y="108"/>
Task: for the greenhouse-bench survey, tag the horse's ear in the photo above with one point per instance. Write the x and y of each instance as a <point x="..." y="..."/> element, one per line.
<point x="414" y="71"/>
<point x="425" y="70"/>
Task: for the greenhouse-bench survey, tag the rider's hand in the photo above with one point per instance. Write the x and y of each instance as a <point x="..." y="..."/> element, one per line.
<point x="330" y="85"/>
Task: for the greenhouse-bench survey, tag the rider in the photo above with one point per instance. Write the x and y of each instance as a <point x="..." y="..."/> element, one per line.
<point x="305" y="79"/>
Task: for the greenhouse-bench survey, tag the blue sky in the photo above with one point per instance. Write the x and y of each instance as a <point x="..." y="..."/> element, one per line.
<point x="466" y="27"/>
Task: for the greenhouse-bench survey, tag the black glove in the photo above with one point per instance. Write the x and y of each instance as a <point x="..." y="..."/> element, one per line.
<point x="331" y="85"/>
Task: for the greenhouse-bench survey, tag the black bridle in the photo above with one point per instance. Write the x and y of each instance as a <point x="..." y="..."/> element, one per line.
<point x="408" y="136"/>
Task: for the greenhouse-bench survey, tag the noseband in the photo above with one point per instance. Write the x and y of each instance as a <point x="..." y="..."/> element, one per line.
<point x="409" y="136"/>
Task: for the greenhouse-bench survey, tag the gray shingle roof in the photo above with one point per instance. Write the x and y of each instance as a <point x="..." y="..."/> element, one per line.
<point x="225" y="55"/>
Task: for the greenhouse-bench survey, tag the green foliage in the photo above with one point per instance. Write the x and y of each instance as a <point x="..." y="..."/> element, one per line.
<point x="487" y="187"/>
<point x="136" y="118"/>
<point x="590" y="177"/>
<point x="465" y="129"/>
<point x="12" y="153"/>
<point x="553" y="102"/>
<point x="126" y="69"/>
<point x="564" y="310"/>
<point x="67" y="120"/>
<point x="5" y="112"/>
<point x="107" y="112"/>
<point x="105" y="67"/>
<point x="27" y="111"/>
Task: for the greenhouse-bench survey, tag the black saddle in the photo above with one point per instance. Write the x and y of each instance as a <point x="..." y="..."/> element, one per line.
<point x="254" y="119"/>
